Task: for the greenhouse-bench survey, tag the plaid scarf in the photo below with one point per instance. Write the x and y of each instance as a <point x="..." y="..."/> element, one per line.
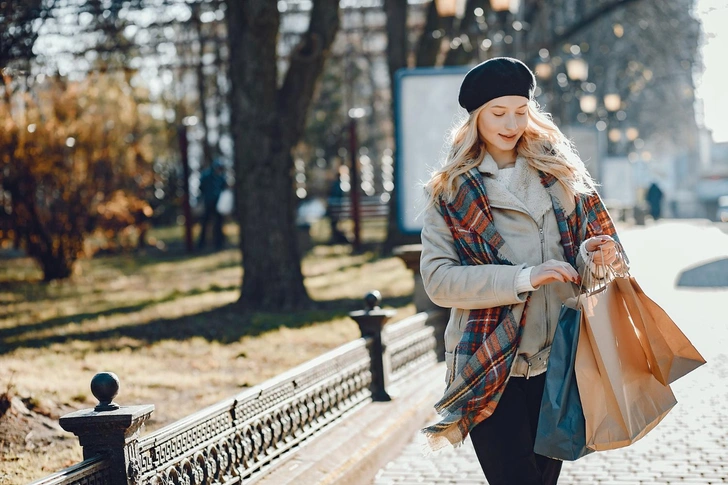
<point x="488" y="347"/>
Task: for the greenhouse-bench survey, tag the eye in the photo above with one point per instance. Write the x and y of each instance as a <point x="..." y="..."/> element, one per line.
<point x="521" y="114"/>
<point x="498" y="114"/>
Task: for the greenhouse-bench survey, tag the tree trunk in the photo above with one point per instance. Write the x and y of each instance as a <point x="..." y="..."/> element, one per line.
<point x="201" y="97"/>
<point x="55" y="252"/>
<point x="463" y="53"/>
<point x="272" y="278"/>
<point x="429" y="44"/>
<point x="396" y="11"/>
<point x="266" y="124"/>
<point x="55" y="267"/>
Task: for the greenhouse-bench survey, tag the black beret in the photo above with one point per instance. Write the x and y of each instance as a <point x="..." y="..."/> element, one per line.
<point x="496" y="77"/>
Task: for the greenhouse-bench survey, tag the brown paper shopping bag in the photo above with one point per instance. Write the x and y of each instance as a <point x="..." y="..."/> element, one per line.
<point x="670" y="352"/>
<point x="622" y="399"/>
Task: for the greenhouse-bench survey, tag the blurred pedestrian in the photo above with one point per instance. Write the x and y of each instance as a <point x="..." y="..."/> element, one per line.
<point x="654" y="199"/>
<point x="212" y="183"/>
<point x="512" y="217"/>
<point x="335" y="201"/>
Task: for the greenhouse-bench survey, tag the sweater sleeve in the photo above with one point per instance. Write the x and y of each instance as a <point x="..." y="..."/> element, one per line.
<point x="523" y="280"/>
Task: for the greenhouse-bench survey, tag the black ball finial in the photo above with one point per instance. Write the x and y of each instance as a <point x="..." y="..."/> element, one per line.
<point x="105" y="387"/>
<point x="372" y="300"/>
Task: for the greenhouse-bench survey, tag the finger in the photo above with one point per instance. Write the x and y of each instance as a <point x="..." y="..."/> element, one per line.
<point x="606" y="258"/>
<point x="567" y="273"/>
<point x="555" y="275"/>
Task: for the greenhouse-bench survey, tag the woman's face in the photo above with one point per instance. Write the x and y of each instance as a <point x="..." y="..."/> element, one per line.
<point x="502" y="122"/>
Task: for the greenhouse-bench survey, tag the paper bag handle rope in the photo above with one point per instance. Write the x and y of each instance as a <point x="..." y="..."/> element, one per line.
<point x="610" y="272"/>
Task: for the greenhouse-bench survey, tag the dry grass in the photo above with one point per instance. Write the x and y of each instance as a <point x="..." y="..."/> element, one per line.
<point x="166" y="324"/>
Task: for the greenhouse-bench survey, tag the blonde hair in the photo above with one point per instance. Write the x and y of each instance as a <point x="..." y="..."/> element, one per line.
<point x="542" y="144"/>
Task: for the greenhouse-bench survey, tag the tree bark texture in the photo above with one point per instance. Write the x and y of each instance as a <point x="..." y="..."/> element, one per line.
<point x="266" y="123"/>
<point x="201" y="96"/>
<point x="428" y="46"/>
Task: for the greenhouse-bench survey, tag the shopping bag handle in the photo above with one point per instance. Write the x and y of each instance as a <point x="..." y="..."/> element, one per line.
<point x="589" y="282"/>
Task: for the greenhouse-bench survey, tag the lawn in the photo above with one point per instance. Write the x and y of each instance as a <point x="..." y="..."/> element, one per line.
<point x="166" y="323"/>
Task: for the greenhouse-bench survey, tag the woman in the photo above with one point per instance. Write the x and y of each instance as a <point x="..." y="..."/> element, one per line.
<point x="512" y="218"/>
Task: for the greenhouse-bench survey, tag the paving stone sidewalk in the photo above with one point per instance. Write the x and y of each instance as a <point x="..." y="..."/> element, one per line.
<point x="690" y="446"/>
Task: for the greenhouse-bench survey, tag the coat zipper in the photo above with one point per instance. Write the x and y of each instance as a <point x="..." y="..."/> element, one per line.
<point x="545" y="290"/>
<point x="543" y="255"/>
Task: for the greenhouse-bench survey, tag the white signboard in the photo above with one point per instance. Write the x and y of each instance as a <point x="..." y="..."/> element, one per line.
<point x="426" y="109"/>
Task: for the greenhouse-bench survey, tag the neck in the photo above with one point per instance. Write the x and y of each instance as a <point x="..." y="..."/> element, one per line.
<point x="502" y="158"/>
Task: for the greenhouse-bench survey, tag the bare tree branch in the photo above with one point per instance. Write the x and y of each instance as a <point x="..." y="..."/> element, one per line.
<point x="306" y="64"/>
<point x="580" y="26"/>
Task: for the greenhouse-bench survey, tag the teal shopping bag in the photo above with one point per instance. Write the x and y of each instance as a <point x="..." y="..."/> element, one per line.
<point x="561" y="431"/>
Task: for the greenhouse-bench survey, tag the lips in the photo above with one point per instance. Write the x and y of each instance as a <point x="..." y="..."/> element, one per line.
<point x="506" y="137"/>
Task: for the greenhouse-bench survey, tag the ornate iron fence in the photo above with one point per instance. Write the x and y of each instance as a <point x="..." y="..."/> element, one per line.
<point x="235" y="440"/>
<point x="411" y="344"/>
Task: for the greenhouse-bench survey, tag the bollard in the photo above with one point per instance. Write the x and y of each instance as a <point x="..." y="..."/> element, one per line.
<point x="371" y="321"/>
<point x="110" y="429"/>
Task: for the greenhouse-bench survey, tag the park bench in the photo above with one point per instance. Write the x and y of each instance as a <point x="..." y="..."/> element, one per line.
<point x="370" y="207"/>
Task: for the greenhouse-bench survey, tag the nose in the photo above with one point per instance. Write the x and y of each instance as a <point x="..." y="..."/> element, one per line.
<point x="511" y="123"/>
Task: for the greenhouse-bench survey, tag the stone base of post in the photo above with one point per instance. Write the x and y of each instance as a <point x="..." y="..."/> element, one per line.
<point x="110" y="429"/>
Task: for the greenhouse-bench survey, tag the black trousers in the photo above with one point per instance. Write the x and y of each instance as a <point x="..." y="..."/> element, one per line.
<point x="211" y="215"/>
<point x="504" y="441"/>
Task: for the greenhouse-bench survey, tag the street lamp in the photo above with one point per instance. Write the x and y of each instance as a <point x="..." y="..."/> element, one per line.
<point x="588" y="103"/>
<point x="500" y="5"/>
<point x="612" y="101"/>
<point x="615" y="135"/>
<point x="450" y="8"/>
<point x="577" y="69"/>
<point x="632" y="133"/>
<point x="503" y="5"/>
<point x="544" y="70"/>
<point x="354" y="115"/>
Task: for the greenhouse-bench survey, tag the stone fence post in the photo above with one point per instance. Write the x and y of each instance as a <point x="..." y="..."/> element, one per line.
<point x="371" y="321"/>
<point x="410" y="254"/>
<point x="110" y="429"/>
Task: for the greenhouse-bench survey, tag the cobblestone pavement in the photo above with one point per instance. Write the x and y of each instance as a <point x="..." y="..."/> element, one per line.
<point x="690" y="446"/>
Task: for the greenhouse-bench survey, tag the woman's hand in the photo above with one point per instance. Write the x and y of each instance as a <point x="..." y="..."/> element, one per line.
<point x="551" y="271"/>
<point x="604" y="249"/>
